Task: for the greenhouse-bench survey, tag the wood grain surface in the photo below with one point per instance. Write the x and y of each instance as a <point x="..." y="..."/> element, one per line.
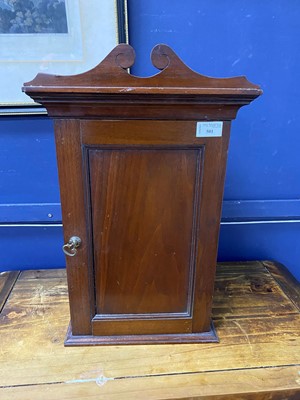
<point x="258" y="356"/>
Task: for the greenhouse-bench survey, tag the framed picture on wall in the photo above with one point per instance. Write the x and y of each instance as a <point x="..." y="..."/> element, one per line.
<point x="63" y="37"/>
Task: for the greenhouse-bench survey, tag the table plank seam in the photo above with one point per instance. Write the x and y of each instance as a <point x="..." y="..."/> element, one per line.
<point x="159" y="375"/>
<point x="241" y="317"/>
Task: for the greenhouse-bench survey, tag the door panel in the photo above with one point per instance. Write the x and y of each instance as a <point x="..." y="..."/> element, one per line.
<point x="143" y="206"/>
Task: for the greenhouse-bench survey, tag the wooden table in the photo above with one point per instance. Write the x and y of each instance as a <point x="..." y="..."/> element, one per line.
<point x="256" y="315"/>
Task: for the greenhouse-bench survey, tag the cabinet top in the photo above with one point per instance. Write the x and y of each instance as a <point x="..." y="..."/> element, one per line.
<point x="111" y="83"/>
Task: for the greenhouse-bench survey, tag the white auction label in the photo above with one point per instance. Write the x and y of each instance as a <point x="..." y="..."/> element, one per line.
<point x="209" y="129"/>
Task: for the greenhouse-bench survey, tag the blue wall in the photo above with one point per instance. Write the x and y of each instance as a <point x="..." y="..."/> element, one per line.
<point x="258" y="39"/>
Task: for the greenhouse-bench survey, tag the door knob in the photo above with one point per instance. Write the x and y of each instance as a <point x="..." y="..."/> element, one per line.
<point x="70" y="248"/>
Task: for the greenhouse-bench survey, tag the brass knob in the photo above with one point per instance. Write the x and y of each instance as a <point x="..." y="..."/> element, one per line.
<point x="70" y="248"/>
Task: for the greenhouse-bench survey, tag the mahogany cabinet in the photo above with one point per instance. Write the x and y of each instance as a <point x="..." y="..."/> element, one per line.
<point x="141" y="166"/>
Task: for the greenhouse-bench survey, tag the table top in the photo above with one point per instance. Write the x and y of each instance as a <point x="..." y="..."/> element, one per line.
<point x="257" y="318"/>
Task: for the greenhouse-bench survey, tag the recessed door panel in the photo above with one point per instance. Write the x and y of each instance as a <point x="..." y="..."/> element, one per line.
<point x="144" y="205"/>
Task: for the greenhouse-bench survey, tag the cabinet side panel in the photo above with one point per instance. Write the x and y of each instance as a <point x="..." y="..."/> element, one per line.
<point x="143" y="228"/>
<point x="210" y="207"/>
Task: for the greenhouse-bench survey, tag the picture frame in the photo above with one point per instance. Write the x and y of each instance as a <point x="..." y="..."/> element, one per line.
<point x="53" y="36"/>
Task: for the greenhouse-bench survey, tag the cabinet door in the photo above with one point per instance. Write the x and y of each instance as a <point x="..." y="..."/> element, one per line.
<point x="145" y="203"/>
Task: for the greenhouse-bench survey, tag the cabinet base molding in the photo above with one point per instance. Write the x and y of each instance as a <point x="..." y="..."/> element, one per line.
<point x="90" y="340"/>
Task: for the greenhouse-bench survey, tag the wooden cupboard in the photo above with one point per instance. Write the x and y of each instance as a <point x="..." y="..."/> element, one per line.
<point x="141" y="166"/>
